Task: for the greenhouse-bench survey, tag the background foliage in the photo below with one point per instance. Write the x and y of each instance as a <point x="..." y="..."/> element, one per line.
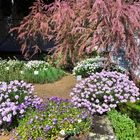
<point x="79" y="27"/>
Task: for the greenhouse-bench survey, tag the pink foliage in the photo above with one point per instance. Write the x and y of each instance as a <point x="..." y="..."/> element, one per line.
<point x="80" y="26"/>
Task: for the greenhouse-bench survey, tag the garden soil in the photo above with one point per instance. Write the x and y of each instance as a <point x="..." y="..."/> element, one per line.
<point x="61" y="88"/>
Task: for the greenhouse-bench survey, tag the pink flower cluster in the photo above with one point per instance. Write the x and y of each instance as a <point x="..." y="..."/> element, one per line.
<point x="102" y="91"/>
<point x="15" y="98"/>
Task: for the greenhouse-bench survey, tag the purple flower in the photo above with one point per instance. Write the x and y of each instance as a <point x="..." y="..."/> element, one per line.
<point x="55" y="121"/>
<point x="30" y="122"/>
<point x="102" y="91"/>
<point x="16" y="97"/>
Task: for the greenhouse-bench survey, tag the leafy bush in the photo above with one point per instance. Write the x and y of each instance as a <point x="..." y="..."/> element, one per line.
<point x="103" y="91"/>
<point x="55" y="118"/>
<point x="15" y="99"/>
<point x="83" y="26"/>
<point x="123" y="126"/>
<point x="93" y="65"/>
<point x="88" y="66"/>
<point x="132" y="110"/>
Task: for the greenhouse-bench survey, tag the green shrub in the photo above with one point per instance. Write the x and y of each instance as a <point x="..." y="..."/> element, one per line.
<point x="138" y="130"/>
<point x="132" y="110"/>
<point x="123" y="126"/>
<point x="56" y="118"/>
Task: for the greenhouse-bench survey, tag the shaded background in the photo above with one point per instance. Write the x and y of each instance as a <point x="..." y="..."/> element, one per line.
<point x="10" y="16"/>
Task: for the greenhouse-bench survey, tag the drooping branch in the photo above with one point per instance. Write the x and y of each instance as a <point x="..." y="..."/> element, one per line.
<point x="80" y="26"/>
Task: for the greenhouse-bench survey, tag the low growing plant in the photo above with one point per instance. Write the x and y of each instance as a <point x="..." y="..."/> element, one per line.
<point x="36" y="65"/>
<point x="124" y="127"/>
<point x="10" y="70"/>
<point x="105" y="90"/>
<point x="15" y="99"/>
<point x="54" y="119"/>
<point x="132" y="110"/>
<point x="31" y="71"/>
<point x="88" y="66"/>
<point x="41" y="72"/>
<point x="93" y="65"/>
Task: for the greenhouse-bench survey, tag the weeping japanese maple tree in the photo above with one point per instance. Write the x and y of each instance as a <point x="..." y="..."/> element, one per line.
<point x="80" y="26"/>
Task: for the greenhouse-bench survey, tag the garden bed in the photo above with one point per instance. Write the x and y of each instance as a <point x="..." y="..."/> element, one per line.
<point x="98" y="94"/>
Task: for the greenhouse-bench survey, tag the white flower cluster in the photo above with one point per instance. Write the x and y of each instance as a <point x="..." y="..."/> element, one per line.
<point x="37" y="65"/>
<point x="89" y="66"/>
<point x="10" y="65"/>
<point x="92" y="65"/>
<point x="14" y="62"/>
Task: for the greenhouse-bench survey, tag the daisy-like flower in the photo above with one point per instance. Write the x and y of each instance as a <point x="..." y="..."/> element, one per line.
<point x="7" y="68"/>
<point x="62" y="132"/>
<point x="36" y="72"/>
<point x="79" y="120"/>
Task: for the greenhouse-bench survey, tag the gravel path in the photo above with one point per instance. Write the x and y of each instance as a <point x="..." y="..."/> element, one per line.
<point x="61" y="88"/>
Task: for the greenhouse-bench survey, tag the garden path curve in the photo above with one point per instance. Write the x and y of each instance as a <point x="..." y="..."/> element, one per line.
<point x="60" y="88"/>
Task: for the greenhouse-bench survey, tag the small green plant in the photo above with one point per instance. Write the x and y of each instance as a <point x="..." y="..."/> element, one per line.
<point x="41" y="72"/>
<point x="123" y="126"/>
<point x="55" y="118"/>
<point x="138" y="131"/>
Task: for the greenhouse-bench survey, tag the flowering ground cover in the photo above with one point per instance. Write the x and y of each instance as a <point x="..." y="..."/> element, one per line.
<point x="103" y="91"/>
<point x="10" y="70"/>
<point x="41" y="72"/>
<point x="30" y="114"/>
<point x="88" y="66"/>
<point x="92" y="65"/>
<point x="32" y="71"/>
<point x="15" y="99"/>
<point x="53" y="119"/>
